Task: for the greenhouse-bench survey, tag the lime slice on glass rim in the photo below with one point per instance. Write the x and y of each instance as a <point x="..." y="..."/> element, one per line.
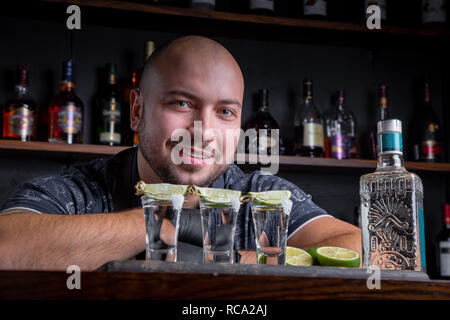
<point x="297" y="257"/>
<point x="160" y="191"/>
<point x="271" y="197"/>
<point x="339" y="257"/>
<point x="216" y="195"/>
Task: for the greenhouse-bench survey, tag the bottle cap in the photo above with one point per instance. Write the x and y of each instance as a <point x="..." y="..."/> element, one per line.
<point x="389" y="126"/>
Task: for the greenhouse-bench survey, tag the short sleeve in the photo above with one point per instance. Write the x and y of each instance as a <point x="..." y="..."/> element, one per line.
<point x="69" y="193"/>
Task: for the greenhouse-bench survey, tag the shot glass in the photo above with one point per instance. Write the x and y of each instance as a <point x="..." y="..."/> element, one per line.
<point x="162" y="219"/>
<point x="218" y="230"/>
<point x="270" y="224"/>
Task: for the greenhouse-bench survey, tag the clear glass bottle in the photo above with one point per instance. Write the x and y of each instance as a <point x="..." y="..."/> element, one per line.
<point x="308" y="124"/>
<point x="392" y="208"/>
<point x="341" y="131"/>
<point x="110" y="111"/>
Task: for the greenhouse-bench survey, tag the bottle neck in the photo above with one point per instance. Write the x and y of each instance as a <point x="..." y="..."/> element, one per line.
<point x="390" y="151"/>
<point x="340" y="105"/>
<point x="389" y="161"/>
<point x="67" y="86"/>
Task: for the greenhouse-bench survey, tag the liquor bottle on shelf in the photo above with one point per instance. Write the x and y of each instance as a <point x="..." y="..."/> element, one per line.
<point x="434" y="13"/>
<point x="443" y="241"/>
<point x="149" y="48"/>
<point x="380" y="3"/>
<point x="264" y="142"/>
<point x="66" y="111"/>
<point x="392" y="208"/>
<point x="308" y="124"/>
<point x="341" y="131"/>
<point x="20" y="114"/>
<point x="110" y="111"/>
<point x="428" y="143"/>
<point x="203" y="4"/>
<point x="315" y="9"/>
<point x="383" y="115"/>
<point x="263" y="7"/>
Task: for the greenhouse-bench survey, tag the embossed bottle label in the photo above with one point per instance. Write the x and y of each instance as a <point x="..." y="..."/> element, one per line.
<point x="21" y="122"/>
<point x="70" y="119"/>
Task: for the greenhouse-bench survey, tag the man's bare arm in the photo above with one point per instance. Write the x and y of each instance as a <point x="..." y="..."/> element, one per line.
<point x="327" y="231"/>
<point x="53" y="242"/>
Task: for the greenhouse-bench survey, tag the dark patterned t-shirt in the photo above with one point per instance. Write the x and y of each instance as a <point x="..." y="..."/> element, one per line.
<point x="107" y="185"/>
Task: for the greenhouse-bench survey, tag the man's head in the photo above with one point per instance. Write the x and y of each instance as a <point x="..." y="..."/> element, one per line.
<point x="189" y="79"/>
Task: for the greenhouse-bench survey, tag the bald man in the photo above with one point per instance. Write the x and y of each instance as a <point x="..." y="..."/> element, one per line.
<point x="89" y="214"/>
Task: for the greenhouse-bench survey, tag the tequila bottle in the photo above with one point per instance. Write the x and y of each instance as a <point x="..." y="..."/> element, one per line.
<point x="392" y="207"/>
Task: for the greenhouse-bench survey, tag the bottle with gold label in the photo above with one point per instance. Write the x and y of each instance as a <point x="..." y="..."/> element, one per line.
<point x="20" y="112"/>
<point x="66" y="111"/>
<point x="110" y="111"/>
<point x="308" y="125"/>
<point x="428" y="144"/>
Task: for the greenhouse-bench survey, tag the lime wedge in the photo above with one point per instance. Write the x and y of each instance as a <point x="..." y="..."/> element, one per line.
<point x="160" y="191"/>
<point x="297" y="257"/>
<point x="216" y="195"/>
<point x="271" y="197"/>
<point x="340" y="257"/>
<point x="313" y="253"/>
<point x="262" y="259"/>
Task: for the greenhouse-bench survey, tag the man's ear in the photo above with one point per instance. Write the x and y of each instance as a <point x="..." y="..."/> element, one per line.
<point x="136" y="107"/>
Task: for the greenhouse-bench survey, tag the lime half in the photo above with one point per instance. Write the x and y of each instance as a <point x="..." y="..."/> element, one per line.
<point x="216" y="195"/>
<point x="271" y="197"/>
<point x="340" y="257"/>
<point x="160" y="191"/>
<point x="297" y="257"/>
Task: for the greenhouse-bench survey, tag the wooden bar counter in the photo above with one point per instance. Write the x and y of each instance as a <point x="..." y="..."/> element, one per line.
<point x="137" y="280"/>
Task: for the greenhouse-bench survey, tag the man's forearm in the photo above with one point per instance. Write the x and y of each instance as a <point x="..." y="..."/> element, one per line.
<point x="53" y="242"/>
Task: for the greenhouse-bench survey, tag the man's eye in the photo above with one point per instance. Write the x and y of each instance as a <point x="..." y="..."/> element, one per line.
<point x="182" y="104"/>
<point x="226" y="112"/>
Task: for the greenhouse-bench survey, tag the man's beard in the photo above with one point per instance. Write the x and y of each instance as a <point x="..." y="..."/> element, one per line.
<point x="161" y="167"/>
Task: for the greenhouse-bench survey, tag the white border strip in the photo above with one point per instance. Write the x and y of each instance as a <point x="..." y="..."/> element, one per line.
<point x="310" y="220"/>
<point x="20" y="208"/>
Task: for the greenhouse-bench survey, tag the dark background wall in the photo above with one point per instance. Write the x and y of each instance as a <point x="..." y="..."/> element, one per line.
<point x="280" y="66"/>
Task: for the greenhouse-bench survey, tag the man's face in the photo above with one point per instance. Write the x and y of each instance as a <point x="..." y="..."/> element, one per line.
<point x="182" y="91"/>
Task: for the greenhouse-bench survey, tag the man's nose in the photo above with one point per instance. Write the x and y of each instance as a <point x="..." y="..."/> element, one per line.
<point x="204" y="125"/>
